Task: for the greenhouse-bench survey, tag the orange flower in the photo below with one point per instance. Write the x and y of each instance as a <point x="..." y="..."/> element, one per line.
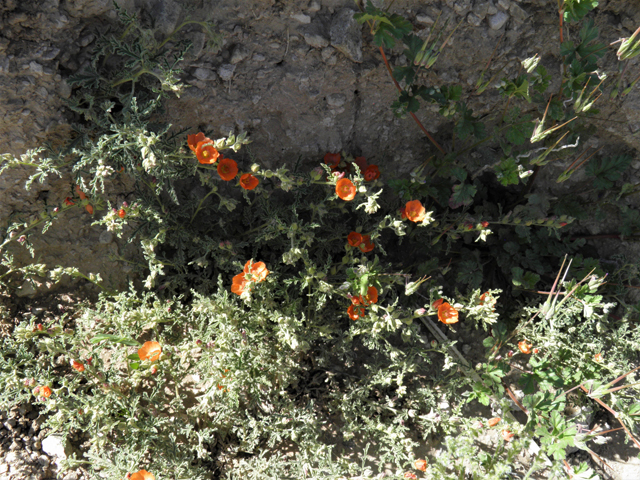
<point x="437" y="303"/>
<point x="195" y="139"/>
<point x="494" y="421"/>
<point x="227" y="169"/>
<point x="420" y="465"/>
<point x="89" y="209"/>
<point x="121" y="213"/>
<point x="248" y="181"/>
<point x="68" y="201"/>
<point x="366" y="245"/>
<point x="370" y="297"/>
<point x="525" y="347"/>
<point x="598" y="357"/>
<point x="80" y="193"/>
<point x="239" y="284"/>
<point x="415" y="211"/>
<point x="258" y="270"/>
<point x="142" y="475"/>
<point x="205" y="152"/>
<point x="332" y="159"/>
<point x="447" y="314"/>
<point x="356" y="300"/>
<point x="345" y="189"/>
<point x="506" y="435"/>
<point x="362" y="163"/>
<point x="355" y="312"/>
<point x="485" y="297"/>
<point x="371" y="173"/>
<point x="45" y="391"/>
<point x="354" y="239"/>
<point x="150" y="351"/>
<point x="77" y="365"/>
<point x="410" y="475"/>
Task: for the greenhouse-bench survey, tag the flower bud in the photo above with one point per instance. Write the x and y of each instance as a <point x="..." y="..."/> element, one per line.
<point x="22" y="239"/>
<point x="420" y="312"/>
<point x="13" y="234"/>
<point x="36" y="391"/>
<point x="125" y="204"/>
<point x="434" y="343"/>
<point x="255" y="168"/>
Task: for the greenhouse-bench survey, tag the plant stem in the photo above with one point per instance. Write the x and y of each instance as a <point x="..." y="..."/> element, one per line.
<point x="431" y="139"/>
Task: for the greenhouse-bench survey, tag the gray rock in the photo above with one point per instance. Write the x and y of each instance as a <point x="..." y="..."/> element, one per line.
<point x="505" y="4"/>
<point x="86" y="40"/>
<point x="105" y="237"/>
<point x="226" y="71"/>
<point x="474" y="19"/>
<point x="71" y="476"/>
<point x="461" y="7"/>
<point x="258" y="57"/>
<point x="481" y="9"/>
<point x="316" y="40"/>
<point x="519" y="15"/>
<point x="314" y="7"/>
<point x="55" y="446"/>
<point x="497" y="21"/>
<point x="167" y="14"/>
<point x="336" y="99"/>
<point x="35" y="68"/>
<point x="425" y="19"/>
<point x="87" y="8"/>
<point x="346" y="35"/>
<point x="50" y="53"/>
<point x="204" y="74"/>
<point x="238" y="54"/>
<point x="301" y="17"/>
<point x="26" y="290"/>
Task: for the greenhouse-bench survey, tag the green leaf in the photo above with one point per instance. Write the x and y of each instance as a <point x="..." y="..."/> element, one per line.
<point x="507" y="172"/>
<point x="134" y="356"/>
<point x="518" y="88"/>
<point x="115" y="339"/>
<point x="575" y="10"/>
<point x="607" y="170"/>
<point x="463" y="194"/>
<point x="526" y="280"/>
<point x="468" y="124"/>
<point x="520" y="132"/>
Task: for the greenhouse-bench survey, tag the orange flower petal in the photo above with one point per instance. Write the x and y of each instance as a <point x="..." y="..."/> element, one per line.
<point x="371" y="173"/>
<point x="355" y="312"/>
<point x="494" y="421"/>
<point x="227" y="169"/>
<point x="206" y="153"/>
<point x="415" y="211"/>
<point x="447" y="314"/>
<point x="420" y="465"/>
<point x="354" y="239"/>
<point x="345" y="189"/>
<point x="193" y="140"/>
<point x="332" y="159"/>
<point x="142" y="475"/>
<point x="77" y="365"/>
<point x="150" y="351"/>
<point x="45" y="391"/>
<point x="366" y="245"/>
<point x="248" y="181"/>
<point x="525" y="347"/>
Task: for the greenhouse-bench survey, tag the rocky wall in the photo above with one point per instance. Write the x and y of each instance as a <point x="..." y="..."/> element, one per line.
<point x="301" y="77"/>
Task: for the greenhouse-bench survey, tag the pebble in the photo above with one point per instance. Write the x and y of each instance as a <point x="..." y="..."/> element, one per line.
<point x="518" y="13"/>
<point x="314" y="7"/>
<point x="497" y="21"/>
<point x="226" y="71"/>
<point x="35" y="68"/>
<point x="474" y="19"/>
<point x="336" y="99"/>
<point x="316" y="40"/>
<point x="239" y="54"/>
<point x="425" y="19"/>
<point x="204" y="74"/>
<point x="301" y="17"/>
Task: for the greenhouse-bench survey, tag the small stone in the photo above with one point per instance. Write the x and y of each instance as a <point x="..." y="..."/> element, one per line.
<point x="497" y="21"/>
<point x="461" y="7"/>
<point x="346" y="35"/>
<point x="226" y="72"/>
<point x="518" y="13"/>
<point x="35" y="68"/>
<point x="204" y="74"/>
<point x="326" y="53"/>
<point x="424" y="19"/>
<point x="71" y="476"/>
<point x="239" y="54"/>
<point x="258" y="57"/>
<point x="167" y="15"/>
<point x="336" y="99"/>
<point x="314" y="7"/>
<point x="105" y="237"/>
<point x="474" y="19"/>
<point x="316" y="40"/>
<point x="50" y="53"/>
<point x="64" y="89"/>
<point x="481" y="9"/>
<point x="26" y="112"/>
<point x="86" y="40"/>
<point x="505" y="4"/>
<point x="492" y="10"/>
<point x="26" y="290"/>
<point x="54" y="446"/>
<point x="43" y="460"/>
<point x="301" y="17"/>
